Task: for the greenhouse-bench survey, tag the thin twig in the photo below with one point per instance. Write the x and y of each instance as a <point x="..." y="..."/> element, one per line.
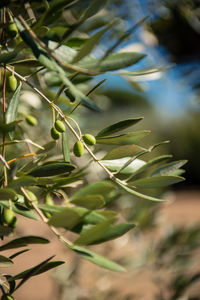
<point x="45" y="220"/>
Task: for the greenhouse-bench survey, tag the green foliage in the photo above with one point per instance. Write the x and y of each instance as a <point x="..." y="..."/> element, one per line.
<point x="30" y="182"/>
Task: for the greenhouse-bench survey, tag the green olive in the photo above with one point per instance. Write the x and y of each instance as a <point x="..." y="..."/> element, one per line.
<point x="31" y="120"/>
<point x="32" y="197"/>
<point x="60" y="126"/>
<point x="9" y="217"/>
<point x="89" y="139"/>
<point x="12" y="83"/>
<point x="55" y="134"/>
<point x="12" y="30"/>
<point x="78" y="148"/>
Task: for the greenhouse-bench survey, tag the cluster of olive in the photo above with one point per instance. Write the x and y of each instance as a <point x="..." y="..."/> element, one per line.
<point x="78" y="148"/>
<point x="57" y="129"/>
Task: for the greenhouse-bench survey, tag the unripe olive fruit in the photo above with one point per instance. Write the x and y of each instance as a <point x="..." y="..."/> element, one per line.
<point x="12" y="30"/>
<point x="89" y="139"/>
<point x="12" y="83"/>
<point x="32" y="197"/>
<point x="9" y="217"/>
<point x="55" y="134"/>
<point x="60" y="126"/>
<point x="78" y="148"/>
<point x="31" y="120"/>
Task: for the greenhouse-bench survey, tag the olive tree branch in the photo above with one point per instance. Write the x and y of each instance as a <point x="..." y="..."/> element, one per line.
<point x="64" y="118"/>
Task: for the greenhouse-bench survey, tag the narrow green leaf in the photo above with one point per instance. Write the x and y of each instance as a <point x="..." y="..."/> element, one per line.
<point x="141" y="72"/>
<point x="32" y="271"/>
<point x="115" y="231"/>
<point x="116" y="165"/>
<point x="6" y="57"/>
<point x="124" y="139"/>
<point x="169" y="168"/>
<point x="118" y="127"/>
<point x="93" y="234"/>
<point x="45" y="267"/>
<point x="90" y="44"/>
<point x="65" y="147"/>
<point x="92" y="9"/>
<point x="6" y="194"/>
<point x="104" y="188"/>
<point x="151" y="163"/>
<point x="123" y="151"/>
<point x="5" y="261"/>
<point x="12" y="110"/>
<point x="68" y="217"/>
<point x="52" y="169"/>
<point x="52" y="209"/>
<point x="137" y="194"/>
<point x="95" y="217"/>
<point x="90" y="201"/>
<point x="18" y="253"/>
<point x="156" y="181"/>
<point x="22" y="181"/>
<point x="97" y="259"/>
<point x="23" y="242"/>
<point x="67" y="180"/>
<point x="113" y="62"/>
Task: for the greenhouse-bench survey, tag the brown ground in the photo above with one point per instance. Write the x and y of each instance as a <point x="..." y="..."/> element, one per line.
<point x="182" y="208"/>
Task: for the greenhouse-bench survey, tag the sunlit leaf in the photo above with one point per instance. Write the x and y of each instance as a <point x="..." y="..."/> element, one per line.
<point x="68" y="217"/>
<point x="104" y="188"/>
<point x="97" y="259"/>
<point x="169" y="169"/>
<point x="156" y="181"/>
<point x="90" y="44"/>
<point x="113" y="62"/>
<point x="124" y="139"/>
<point x="123" y="151"/>
<point x="137" y="194"/>
<point x="118" y="127"/>
<point x="116" y="164"/>
<point x="115" y="231"/>
<point x="94" y="233"/>
<point x="90" y="201"/>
